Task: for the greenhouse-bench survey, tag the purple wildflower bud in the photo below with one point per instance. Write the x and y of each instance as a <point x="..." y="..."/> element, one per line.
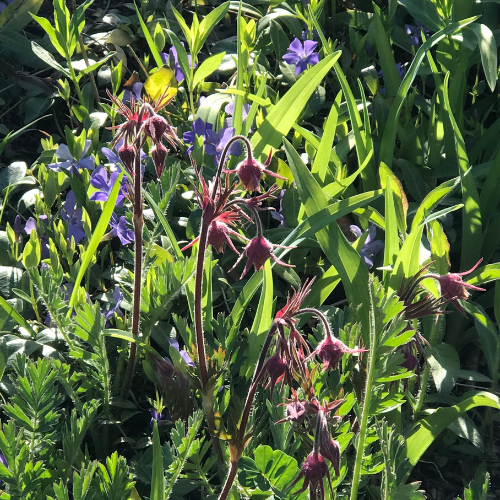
<point x="30" y="226"/>
<point x="159" y="154"/>
<point x="127" y="156"/>
<point x="330" y="351"/>
<point x="18" y="228"/>
<point x="301" y="55"/>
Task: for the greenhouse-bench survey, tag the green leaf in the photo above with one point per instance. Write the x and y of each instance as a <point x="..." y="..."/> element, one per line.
<point x="16" y="316"/>
<point x="445" y="366"/>
<point x="391" y="74"/>
<point x="440" y="248"/>
<point x="207" y="67"/>
<point x="208" y="24"/>
<point x="158" y="477"/>
<point x="390" y="132"/>
<point x="425" y="12"/>
<point x="339" y="252"/>
<point x="261" y="323"/>
<point x="281" y="118"/>
<point x="488" y="51"/>
<point x="429" y="428"/>
<point x="391" y="246"/>
<point x="276" y="466"/>
<point x="149" y="39"/>
<point x="279" y="39"/>
<point x="181" y="54"/>
<point x="97" y="235"/>
<point x="21" y="17"/>
<point x="12" y="174"/>
<point x="472" y="231"/>
<point x="49" y="59"/>
<point x="484" y="274"/>
<point x="489" y="192"/>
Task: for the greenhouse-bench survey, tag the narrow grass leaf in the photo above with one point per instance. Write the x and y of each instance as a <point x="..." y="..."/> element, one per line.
<point x="158" y="476"/>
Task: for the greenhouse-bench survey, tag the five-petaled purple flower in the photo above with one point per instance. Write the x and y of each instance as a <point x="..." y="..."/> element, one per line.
<point x="301" y="55"/>
<point x="215" y="143"/>
<point x="68" y="163"/>
<point x="99" y="180"/>
<point x="172" y="59"/>
<point x="120" y="228"/>
<point x="415" y="32"/>
<point x="229" y="110"/>
<point x="159" y="418"/>
<point x="371" y="247"/>
<point x="199" y="130"/>
<point x="72" y="214"/>
<point x="117" y="297"/>
<point x="136" y="92"/>
<point x="182" y="352"/>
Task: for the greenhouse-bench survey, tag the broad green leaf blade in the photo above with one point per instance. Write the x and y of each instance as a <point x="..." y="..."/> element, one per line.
<point x="390" y="133"/>
<point x="320" y="165"/>
<point x="429" y="428"/>
<point x="158" y="476"/>
<point x="49" y="59"/>
<point x="346" y="260"/>
<point x="484" y="274"/>
<point x="472" y="230"/>
<point x="261" y="323"/>
<point x="207" y="67"/>
<point x="391" y="74"/>
<point x="488" y="51"/>
<point x="281" y="118"/>
<point x="99" y="231"/>
<point x="149" y="39"/>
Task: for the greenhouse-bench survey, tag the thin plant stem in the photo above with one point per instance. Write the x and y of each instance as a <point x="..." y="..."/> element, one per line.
<point x="75" y="81"/>
<point x="138" y="220"/>
<point x="257" y="376"/>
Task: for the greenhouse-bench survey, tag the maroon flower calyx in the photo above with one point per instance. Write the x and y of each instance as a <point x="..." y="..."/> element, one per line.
<point x="159" y="155"/>
<point x="127" y="154"/>
<point x="314" y="469"/>
<point x="295" y="410"/>
<point x="330" y="352"/>
<point x="277" y="369"/>
<point x="250" y="172"/>
<point x="454" y="288"/>
<point x="258" y="251"/>
<point x="328" y="447"/>
<point x="293" y="304"/>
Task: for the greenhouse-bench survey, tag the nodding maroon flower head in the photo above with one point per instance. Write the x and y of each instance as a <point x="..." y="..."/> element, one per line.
<point x="293" y="304"/>
<point x="330" y="351"/>
<point x="295" y="410"/>
<point x="218" y="236"/>
<point x="250" y="172"/>
<point x="159" y="154"/>
<point x="127" y="155"/>
<point x="454" y="288"/>
<point x="276" y="368"/>
<point x="155" y="126"/>
<point x="314" y="469"/>
<point x="328" y="447"/>
<point x="258" y="251"/>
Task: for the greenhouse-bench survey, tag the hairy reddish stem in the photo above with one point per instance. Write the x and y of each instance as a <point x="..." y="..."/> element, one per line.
<point x="138" y="220"/>
<point x="229" y="481"/>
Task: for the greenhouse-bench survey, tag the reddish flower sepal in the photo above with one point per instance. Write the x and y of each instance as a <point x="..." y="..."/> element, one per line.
<point x="314" y="469"/>
<point x="331" y="350"/>
<point x="258" y="251"/>
<point x="250" y="172"/>
<point x="454" y="288"/>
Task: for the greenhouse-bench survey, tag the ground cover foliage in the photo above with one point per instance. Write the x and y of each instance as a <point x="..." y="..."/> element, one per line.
<point x="249" y="250"/>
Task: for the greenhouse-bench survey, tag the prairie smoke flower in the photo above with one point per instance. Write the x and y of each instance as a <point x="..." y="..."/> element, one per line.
<point x="313" y="470"/>
<point x="277" y="369"/>
<point x="301" y="55"/>
<point x="250" y="172"/>
<point x="371" y="247"/>
<point x="415" y="32"/>
<point x="330" y="352"/>
<point x="258" y="251"/>
<point x="72" y="214"/>
<point x="66" y="161"/>
<point x="454" y="288"/>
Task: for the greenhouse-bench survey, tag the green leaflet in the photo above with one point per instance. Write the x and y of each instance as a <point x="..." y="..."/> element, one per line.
<point x="429" y="428"/>
<point x="158" y="477"/>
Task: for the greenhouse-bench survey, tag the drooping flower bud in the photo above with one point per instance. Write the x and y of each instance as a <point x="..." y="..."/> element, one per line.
<point x="155" y="126"/>
<point x="218" y="236"/>
<point x="127" y="154"/>
<point x="258" y="251"/>
<point x="314" y="469"/>
<point x="250" y="172"/>
<point x="159" y="154"/>
<point x="330" y="351"/>
<point x="276" y="368"/>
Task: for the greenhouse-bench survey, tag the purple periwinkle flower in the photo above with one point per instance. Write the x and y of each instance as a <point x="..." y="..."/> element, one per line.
<point x="72" y="214"/>
<point x="415" y="32"/>
<point x="120" y="228"/>
<point x="99" y="180"/>
<point x="182" y="352"/>
<point x="215" y="143"/>
<point x="117" y="297"/>
<point x="172" y="59"/>
<point x="371" y="247"/>
<point x="2" y="6"/>
<point x="66" y="161"/>
<point x="301" y="55"/>
<point x="159" y="417"/>
<point x="200" y="129"/>
<point x="136" y="92"/>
